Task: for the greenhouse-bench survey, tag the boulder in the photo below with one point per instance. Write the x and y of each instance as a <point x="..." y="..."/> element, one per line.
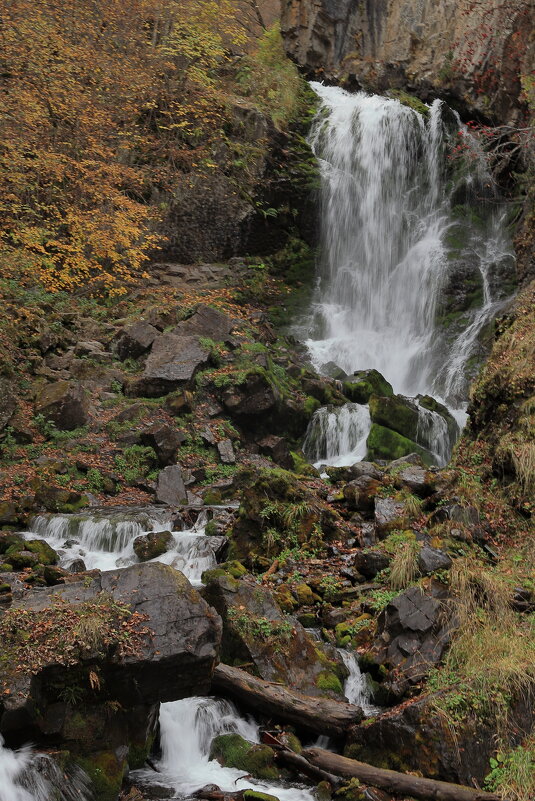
<point x="365" y="383"/>
<point x="256" y="631"/>
<point x="233" y="751"/>
<point x="415" y="477"/>
<point x="135" y="340"/>
<point x="165" y="442"/>
<point x="207" y="322"/>
<point x="226" y="451"/>
<point x="178" y="403"/>
<point x="397" y="413"/>
<point x="172" y="363"/>
<point x="389" y="515"/>
<point x="412" y="635"/>
<point x="369" y="563"/>
<point x="256" y="396"/>
<point x="384" y="443"/>
<point x="149" y="546"/>
<point x="170" y="650"/>
<point x="360" y="493"/>
<point x="332" y="370"/>
<point x="65" y="404"/>
<point x="170" y="487"/>
<point x="431" y="559"/>
<point x="59" y="499"/>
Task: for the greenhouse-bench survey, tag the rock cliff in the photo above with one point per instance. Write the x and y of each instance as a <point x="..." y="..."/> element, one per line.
<point x="473" y="52"/>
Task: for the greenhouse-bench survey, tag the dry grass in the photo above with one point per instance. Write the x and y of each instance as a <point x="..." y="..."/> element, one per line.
<point x="404" y="566"/>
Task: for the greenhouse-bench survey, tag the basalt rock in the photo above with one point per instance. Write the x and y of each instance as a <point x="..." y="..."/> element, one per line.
<point x="170" y="487"/>
<point x="164" y="440"/>
<point x="149" y="546"/>
<point x="207" y="322"/>
<point x="135" y="340"/>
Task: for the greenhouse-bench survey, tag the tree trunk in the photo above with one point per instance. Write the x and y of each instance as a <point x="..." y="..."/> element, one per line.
<point x="315" y="714"/>
<point x="392" y="781"/>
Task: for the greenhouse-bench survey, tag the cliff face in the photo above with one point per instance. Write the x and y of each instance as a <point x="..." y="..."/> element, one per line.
<point x="472" y="51"/>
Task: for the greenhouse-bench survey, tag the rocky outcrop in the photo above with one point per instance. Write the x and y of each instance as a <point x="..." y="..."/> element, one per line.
<point x="471" y="52"/>
<point x="256" y="631"/>
<point x="174" y="641"/>
<point x="65" y="404"/>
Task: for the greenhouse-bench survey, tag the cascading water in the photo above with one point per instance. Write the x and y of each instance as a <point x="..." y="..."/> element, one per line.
<point x="337" y="435"/>
<point x="104" y="540"/>
<point x="187" y="729"/>
<point x="356" y="689"/>
<point x="29" y="776"/>
<point x="395" y="236"/>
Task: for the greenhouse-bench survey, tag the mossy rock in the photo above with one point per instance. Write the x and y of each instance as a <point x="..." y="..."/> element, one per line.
<point x="149" y="546"/>
<point x="327" y="680"/>
<point x="254" y="795"/>
<point x="397" y="413"/>
<point x="383" y="443"/>
<point x="366" y="383"/>
<point x="45" y="554"/>
<point x="285" y="598"/>
<point x="105" y="773"/>
<point x="352" y="791"/>
<point x="233" y="751"/>
<point x="308" y="620"/>
<point x="305" y="596"/>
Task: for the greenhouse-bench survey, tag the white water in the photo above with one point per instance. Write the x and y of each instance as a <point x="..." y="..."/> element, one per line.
<point x="337" y="435"/>
<point x="104" y="540"/>
<point x="29" y="776"/>
<point x="187" y="729"/>
<point x="356" y="688"/>
<point x="385" y="213"/>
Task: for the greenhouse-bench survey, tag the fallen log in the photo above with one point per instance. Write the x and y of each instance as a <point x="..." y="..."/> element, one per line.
<point x="319" y="715"/>
<point x="392" y="781"/>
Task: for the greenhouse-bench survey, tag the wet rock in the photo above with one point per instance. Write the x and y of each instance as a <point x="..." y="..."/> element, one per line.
<point x="133" y="341"/>
<point x="233" y="751"/>
<point x="65" y="404"/>
<point x="219" y="546"/>
<point x="431" y="559"/>
<point x="389" y="514"/>
<point x="396" y="412"/>
<point x="226" y="451"/>
<point x="255" y="630"/>
<point x="365" y="383"/>
<point x="55" y="575"/>
<point x="77" y="566"/>
<point x="384" y="443"/>
<point x="165" y="442"/>
<point x="370" y="563"/>
<point x="332" y="370"/>
<point x="172" y="363"/>
<point x="208" y="322"/>
<point x="149" y="546"/>
<point x="170" y="487"/>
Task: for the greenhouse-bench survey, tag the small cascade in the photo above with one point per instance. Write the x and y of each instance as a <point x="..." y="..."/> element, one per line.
<point x="356" y="688"/>
<point x="29" y="776"/>
<point x="187" y="729"/>
<point x="337" y="435"/>
<point x="104" y="539"/>
<point x="434" y="434"/>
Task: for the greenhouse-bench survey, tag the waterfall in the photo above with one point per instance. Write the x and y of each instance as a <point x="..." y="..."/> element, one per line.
<point x="187" y="729"/>
<point x="356" y="688"/>
<point x="401" y="230"/>
<point x="28" y="776"/>
<point x="337" y="434"/>
<point x="104" y="539"/>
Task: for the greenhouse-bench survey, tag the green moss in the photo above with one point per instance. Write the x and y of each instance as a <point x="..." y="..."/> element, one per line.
<point x="410" y="100"/>
<point x="386" y="444"/>
<point x="311" y="405"/>
<point x="105" y="774"/>
<point x="254" y="795"/>
<point x="301" y="466"/>
<point x="366" y="383"/>
<point x="395" y="413"/>
<point x="212" y="497"/>
<point x="326" y="680"/>
<point x="233" y="751"/>
<point x="138" y="753"/>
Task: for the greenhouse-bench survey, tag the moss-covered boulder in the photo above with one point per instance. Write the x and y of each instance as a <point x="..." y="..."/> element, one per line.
<point x="383" y="443"/>
<point x="364" y="384"/>
<point x="59" y="499"/>
<point x="149" y="546"/>
<point x="233" y="751"/>
<point x="397" y="413"/>
<point x="256" y="632"/>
